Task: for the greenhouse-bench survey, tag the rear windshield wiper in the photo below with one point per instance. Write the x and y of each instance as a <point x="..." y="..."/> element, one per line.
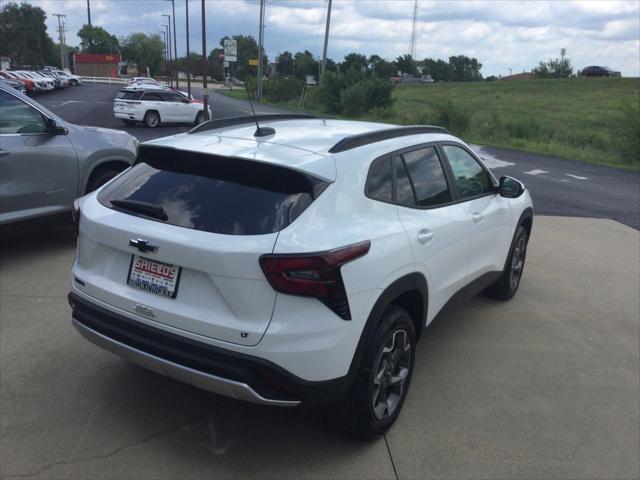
<point x="148" y="209"/>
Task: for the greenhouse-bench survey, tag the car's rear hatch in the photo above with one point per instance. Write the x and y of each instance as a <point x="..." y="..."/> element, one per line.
<point x="203" y="221"/>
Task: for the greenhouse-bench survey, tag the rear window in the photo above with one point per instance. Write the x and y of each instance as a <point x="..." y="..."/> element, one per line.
<point x="126" y="95"/>
<point x="211" y="193"/>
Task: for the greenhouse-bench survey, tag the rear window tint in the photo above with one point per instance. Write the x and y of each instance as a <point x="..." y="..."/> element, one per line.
<point x="124" y="95"/>
<point x="379" y="180"/>
<point x="215" y="194"/>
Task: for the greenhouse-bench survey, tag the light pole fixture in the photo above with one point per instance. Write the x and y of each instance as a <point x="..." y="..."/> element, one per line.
<point x="169" y="40"/>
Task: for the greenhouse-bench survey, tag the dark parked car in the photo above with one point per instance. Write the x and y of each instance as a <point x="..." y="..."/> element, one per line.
<point x="596" y="71"/>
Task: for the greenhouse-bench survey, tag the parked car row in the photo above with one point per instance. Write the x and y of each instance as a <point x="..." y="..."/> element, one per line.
<point x="39" y="81"/>
<point x="146" y="100"/>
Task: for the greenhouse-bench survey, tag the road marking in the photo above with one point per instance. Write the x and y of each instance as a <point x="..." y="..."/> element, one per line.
<point x="489" y="160"/>
<point x="80" y="101"/>
<point x="536" y="171"/>
<point x="576" y="176"/>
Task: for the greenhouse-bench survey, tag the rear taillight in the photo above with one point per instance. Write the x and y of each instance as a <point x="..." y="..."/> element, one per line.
<point x="75" y="213"/>
<point x="314" y="274"/>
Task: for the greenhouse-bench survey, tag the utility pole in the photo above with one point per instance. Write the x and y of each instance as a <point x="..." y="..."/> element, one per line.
<point x="60" y="37"/>
<point x="169" y="42"/>
<point x="205" y="92"/>
<point x="260" y="56"/>
<point x="167" y="52"/>
<point x="175" y="43"/>
<point x="188" y="62"/>
<point x="413" y="33"/>
<point x="326" y="42"/>
<point x="89" y="12"/>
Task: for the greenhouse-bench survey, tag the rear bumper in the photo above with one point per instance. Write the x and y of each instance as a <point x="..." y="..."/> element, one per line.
<point x="126" y="116"/>
<point x="224" y="372"/>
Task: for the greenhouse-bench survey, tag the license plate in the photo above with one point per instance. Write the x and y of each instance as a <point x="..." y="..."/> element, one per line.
<point x="154" y="277"/>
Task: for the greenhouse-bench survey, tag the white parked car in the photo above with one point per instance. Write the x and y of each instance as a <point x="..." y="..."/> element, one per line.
<point x="73" y="80"/>
<point x="155" y="106"/>
<point x="294" y="263"/>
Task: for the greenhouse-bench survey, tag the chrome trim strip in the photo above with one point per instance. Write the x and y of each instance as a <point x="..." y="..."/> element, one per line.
<point x="205" y="381"/>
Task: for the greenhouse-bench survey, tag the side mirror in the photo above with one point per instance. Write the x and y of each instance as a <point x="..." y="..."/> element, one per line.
<point x="510" y="187"/>
<point x="54" y="129"/>
<point x="186" y="100"/>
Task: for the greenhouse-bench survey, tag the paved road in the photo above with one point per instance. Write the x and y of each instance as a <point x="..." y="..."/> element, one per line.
<point x="543" y="386"/>
<point x="559" y="187"/>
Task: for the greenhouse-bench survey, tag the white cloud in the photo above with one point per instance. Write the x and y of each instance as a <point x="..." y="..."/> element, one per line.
<point x="501" y="34"/>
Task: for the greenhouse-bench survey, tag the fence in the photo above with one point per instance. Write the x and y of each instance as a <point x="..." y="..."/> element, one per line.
<point x="118" y="81"/>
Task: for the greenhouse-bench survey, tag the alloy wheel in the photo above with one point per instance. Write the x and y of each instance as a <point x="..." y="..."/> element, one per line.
<point x="391" y="375"/>
<point x="517" y="263"/>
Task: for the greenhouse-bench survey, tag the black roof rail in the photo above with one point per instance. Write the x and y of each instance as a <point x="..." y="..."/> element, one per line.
<point x="241" y="120"/>
<point x="366" y="138"/>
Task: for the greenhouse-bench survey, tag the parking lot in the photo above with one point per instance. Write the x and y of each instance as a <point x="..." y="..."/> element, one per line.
<point x="544" y="386"/>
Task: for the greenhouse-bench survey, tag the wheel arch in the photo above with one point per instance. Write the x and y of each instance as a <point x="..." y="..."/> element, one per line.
<point x="410" y="292"/>
<point x="110" y="164"/>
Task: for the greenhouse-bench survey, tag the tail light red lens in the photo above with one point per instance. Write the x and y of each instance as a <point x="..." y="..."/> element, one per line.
<point x="75" y="213"/>
<point x="314" y="274"/>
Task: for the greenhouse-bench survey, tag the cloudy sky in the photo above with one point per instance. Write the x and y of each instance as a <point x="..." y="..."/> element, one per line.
<point x="503" y="35"/>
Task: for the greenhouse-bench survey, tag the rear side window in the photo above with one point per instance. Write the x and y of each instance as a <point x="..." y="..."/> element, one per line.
<point x="427" y="177"/>
<point x="404" y="191"/>
<point x="380" y="180"/>
<point x="124" y="95"/>
<point x="213" y="194"/>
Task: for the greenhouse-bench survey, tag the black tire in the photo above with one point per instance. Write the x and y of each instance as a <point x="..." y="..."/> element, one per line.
<point x="128" y="122"/>
<point x="358" y="413"/>
<point x="507" y="285"/>
<point x="74" y="83"/>
<point x="199" y="118"/>
<point x="100" y="177"/>
<point x="151" y="119"/>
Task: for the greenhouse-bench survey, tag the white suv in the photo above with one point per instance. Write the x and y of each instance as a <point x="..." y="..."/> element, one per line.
<point x="155" y="106"/>
<point x="294" y="263"/>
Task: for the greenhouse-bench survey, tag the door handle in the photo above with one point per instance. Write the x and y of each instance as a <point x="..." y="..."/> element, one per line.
<point x="477" y="217"/>
<point x="425" y="236"/>
<point x="4" y="153"/>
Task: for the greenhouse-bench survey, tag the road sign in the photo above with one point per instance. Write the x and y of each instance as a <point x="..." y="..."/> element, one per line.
<point x="225" y="64"/>
<point x="230" y="50"/>
<point x="253" y="61"/>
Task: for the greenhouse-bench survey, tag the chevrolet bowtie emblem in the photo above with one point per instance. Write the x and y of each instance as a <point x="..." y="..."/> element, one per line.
<point x="142" y="245"/>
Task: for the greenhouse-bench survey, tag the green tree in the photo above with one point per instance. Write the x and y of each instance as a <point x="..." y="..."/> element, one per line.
<point x="439" y="70"/>
<point x="406" y="64"/>
<point x="354" y="61"/>
<point x="285" y="64"/>
<point x="145" y="51"/>
<point x="97" y="40"/>
<point x="554" y="68"/>
<point x="306" y="64"/>
<point x="23" y="35"/>
<point x="465" y="69"/>
<point x="382" y="68"/>
<point x="215" y="63"/>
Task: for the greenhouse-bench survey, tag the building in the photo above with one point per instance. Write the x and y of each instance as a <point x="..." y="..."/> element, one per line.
<point x="96" y="64"/>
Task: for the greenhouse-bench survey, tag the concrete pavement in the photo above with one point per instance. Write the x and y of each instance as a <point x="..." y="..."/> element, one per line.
<point x="543" y="386"/>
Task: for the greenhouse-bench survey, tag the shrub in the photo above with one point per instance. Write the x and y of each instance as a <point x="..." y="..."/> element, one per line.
<point x="452" y="117"/>
<point x="353" y="100"/>
<point x="282" y="89"/>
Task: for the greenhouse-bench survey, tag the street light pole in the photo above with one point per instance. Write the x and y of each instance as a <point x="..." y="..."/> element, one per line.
<point x="167" y="52"/>
<point x="169" y="43"/>
<point x="188" y="62"/>
<point x="260" y="47"/>
<point x="205" y="92"/>
<point x="89" y="12"/>
<point x="175" y="43"/>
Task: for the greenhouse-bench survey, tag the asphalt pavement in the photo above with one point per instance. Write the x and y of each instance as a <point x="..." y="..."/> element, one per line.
<point x="558" y="186"/>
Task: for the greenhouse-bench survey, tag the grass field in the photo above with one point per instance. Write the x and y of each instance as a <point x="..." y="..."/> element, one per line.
<point x="596" y="120"/>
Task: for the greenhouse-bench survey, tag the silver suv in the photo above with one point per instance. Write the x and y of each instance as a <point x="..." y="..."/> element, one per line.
<point x="45" y="162"/>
